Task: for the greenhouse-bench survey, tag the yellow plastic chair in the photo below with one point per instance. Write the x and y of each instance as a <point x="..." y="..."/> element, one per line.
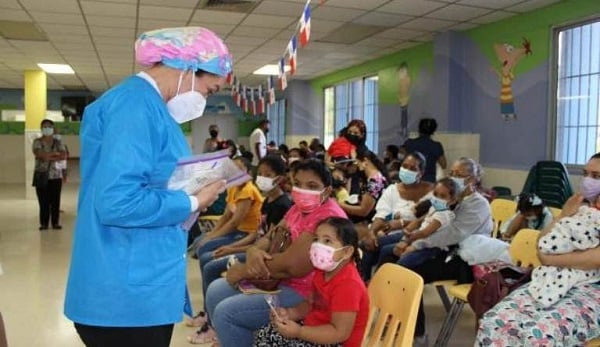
<point x="441" y="286"/>
<point x="395" y="294"/>
<point x="502" y="210"/>
<point x="523" y="251"/>
<point x="593" y="343"/>
<point x="555" y="211"/>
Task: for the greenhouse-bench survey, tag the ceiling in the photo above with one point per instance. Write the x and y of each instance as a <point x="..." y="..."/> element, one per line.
<point x="96" y="37"/>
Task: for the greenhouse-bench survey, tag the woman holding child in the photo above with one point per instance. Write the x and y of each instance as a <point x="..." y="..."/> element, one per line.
<point x="523" y="318"/>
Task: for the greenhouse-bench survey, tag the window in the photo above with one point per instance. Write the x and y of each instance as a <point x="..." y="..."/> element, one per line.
<point x="355" y="99"/>
<point x="276" y="115"/>
<point x="577" y="96"/>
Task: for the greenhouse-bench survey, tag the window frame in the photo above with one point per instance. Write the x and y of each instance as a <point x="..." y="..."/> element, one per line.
<point x="552" y="131"/>
<point x="350" y="105"/>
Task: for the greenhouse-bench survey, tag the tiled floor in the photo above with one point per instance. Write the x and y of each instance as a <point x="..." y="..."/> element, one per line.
<point x="35" y="267"/>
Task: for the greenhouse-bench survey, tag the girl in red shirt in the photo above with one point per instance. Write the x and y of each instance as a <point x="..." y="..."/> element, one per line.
<point x="337" y="312"/>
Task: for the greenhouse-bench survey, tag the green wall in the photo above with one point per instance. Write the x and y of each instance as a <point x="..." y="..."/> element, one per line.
<point x="417" y="58"/>
<point x="535" y="26"/>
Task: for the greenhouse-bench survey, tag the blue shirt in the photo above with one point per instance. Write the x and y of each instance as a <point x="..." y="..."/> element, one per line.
<point x="128" y="261"/>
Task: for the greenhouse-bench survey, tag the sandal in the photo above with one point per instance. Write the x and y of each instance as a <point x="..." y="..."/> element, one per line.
<point x="199" y="320"/>
<point x="205" y="334"/>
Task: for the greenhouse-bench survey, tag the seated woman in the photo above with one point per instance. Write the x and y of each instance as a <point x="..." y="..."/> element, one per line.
<point x="238" y="223"/>
<point x="271" y="171"/>
<point x="374" y="182"/>
<point x="235" y="315"/>
<point x="351" y="139"/>
<point x="342" y="318"/>
<point x="575" y="318"/>
<point x="419" y="235"/>
<point x="531" y="213"/>
<point x="394" y="210"/>
<point x="472" y="217"/>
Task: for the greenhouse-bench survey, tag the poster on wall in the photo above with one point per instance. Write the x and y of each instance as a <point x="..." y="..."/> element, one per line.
<point x="509" y="56"/>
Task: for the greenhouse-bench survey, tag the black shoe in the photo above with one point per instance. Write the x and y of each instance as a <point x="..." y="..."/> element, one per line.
<point x="43" y="227"/>
<point x="56" y="227"/>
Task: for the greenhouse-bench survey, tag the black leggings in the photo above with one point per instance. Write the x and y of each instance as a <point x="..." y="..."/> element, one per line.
<point x="437" y="269"/>
<point x="49" y="202"/>
<point x="155" y="336"/>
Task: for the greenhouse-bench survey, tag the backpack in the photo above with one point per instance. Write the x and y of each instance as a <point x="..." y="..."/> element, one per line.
<point x="492" y="287"/>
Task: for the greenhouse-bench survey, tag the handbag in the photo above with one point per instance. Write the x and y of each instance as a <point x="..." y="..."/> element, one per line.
<point x="280" y="238"/>
<point x="492" y="287"/>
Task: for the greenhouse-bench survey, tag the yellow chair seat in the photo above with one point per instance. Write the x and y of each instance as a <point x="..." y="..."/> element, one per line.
<point x="460" y="291"/>
<point x="213" y="218"/>
<point x="593" y="343"/>
<point x="440" y="286"/>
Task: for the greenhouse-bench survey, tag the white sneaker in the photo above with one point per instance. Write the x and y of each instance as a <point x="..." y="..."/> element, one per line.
<point x="421" y="341"/>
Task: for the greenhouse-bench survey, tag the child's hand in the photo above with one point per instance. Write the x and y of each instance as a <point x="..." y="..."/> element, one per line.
<point x="380" y="233"/>
<point x="223" y="251"/>
<point x="288" y="329"/>
<point x="280" y="314"/>
<point x="408" y="250"/>
<point x="397" y="215"/>
<point x="400" y="248"/>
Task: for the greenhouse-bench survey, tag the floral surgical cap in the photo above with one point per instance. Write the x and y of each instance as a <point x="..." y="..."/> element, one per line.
<point x="185" y="48"/>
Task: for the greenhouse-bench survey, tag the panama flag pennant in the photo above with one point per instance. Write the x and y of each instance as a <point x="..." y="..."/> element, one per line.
<point x="237" y="98"/>
<point x="271" y="90"/>
<point x="305" y="25"/>
<point x="282" y="76"/>
<point x="244" y="100"/>
<point x="292" y="50"/>
<point x="260" y="104"/>
<point x="252" y="103"/>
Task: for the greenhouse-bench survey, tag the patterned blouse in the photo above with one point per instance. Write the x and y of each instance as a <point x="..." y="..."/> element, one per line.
<point x="48" y="165"/>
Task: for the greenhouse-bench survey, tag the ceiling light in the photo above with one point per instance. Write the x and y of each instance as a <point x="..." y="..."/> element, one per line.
<point x="57" y="68"/>
<point x="270" y="69"/>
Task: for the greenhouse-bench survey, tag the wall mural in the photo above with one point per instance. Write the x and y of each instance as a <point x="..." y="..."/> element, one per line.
<point x="403" y="99"/>
<point x="509" y="57"/>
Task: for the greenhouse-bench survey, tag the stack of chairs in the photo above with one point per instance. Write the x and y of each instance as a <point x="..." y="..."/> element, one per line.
<point x="550" y="181"/>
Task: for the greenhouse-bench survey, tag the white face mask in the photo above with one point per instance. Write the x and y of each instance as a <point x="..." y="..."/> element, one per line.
<point x="186" y="106"/>
<point x="47" y="131"/>
<point x="265" y="184"/>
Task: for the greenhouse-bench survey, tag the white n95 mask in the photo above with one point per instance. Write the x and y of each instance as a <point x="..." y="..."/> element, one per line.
<point x="186" y="106"/>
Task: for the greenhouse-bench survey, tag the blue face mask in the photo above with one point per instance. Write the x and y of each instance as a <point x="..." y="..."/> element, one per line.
<point x="438" y="204"/>
<point x="460" y="183"/>
<point x="47" y="131"/>
<point x="407" y="176"/>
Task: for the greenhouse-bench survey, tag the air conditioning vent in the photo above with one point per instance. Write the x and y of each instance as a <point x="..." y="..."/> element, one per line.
<point x="240" y="6"/>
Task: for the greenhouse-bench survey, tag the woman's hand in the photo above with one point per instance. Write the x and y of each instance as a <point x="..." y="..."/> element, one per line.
<point x="255" y="263"/>
<point x="223" y="251"/>
<point x="235" y="273"/>
<point x="571" y="206"/>
<point x="288" y="328"/>
<point x="400" y="248"/>
<point x="209" y="194"/>
<point x="370" y="242"/>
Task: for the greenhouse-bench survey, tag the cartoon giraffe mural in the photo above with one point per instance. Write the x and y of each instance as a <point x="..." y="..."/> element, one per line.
<point x="509" y="57"/>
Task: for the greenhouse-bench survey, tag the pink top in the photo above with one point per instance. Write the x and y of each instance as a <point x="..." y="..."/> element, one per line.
<point x="298" y="223"/>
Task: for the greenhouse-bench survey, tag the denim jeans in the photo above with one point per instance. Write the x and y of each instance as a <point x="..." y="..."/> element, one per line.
<point x="205" y="252"/>
<point x="235" y="316"/>
<point x="372" y="258"/>
<point x="213" y="269"/>
<point x="418" y="257"/>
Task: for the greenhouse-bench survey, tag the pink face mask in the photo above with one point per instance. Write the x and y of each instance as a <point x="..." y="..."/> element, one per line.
<point x="306" y="200"/>
<point x="321" y="256"/>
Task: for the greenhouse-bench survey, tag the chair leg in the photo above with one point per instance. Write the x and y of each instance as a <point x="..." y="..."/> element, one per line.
<point x="444" y="296"/>
<point x="449" y="323"/>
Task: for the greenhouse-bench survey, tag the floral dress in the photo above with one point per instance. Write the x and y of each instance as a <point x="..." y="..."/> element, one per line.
<point x="519" y="321"/>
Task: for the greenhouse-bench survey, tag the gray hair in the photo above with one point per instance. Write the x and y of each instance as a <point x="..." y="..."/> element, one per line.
<point x="472" y="167"/>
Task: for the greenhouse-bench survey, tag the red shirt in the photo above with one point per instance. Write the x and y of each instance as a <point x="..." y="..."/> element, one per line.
<point x="341" y="147"/>
<point x="345" y="292"/>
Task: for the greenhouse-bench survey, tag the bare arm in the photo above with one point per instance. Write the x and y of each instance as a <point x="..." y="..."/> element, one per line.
<point x="294" y="261"/>
<point x="337" y="331"/>
<point x="257" y="150"/>
<point x="241" y="210"/>
<point x="442" y="162"/>
<point x="582" y="260"/>
<point x="428" y="230"/>
<point x="367" y="203"/>
<point x="517" y="224"/>
<point x="224" y="218"/>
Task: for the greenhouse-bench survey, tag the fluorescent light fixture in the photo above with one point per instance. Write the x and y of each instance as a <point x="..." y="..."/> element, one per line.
<point x="270" y="69"/>
<point x="57" y="68"/>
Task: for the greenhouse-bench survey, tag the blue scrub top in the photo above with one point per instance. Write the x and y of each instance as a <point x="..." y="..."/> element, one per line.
<point x="128" y="261"/>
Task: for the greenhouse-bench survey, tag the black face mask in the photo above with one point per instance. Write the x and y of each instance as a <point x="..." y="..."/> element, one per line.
<point x="213" y="133"/>
<point x="354" y="139"/>
<point x="337" y="183"/>
<point x="266" y="131"/>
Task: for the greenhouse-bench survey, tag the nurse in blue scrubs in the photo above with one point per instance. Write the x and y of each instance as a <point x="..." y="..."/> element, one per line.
<point x="126" y="284"/>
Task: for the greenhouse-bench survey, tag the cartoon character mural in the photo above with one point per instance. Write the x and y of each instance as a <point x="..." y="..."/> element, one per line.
<point x="509" y="57"/>
<point x="403" y="98"/>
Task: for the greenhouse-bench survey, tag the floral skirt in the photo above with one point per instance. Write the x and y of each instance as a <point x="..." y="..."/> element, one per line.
<point x="518" y="321"/>
<point x="267" y="336"/>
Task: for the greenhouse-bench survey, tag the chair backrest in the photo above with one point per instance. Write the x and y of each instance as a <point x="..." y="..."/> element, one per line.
<point x="523" y="248"/>
<point x="555" y="211"/>
<point x="502" y="210"/>
<point x="395" y="295"/>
